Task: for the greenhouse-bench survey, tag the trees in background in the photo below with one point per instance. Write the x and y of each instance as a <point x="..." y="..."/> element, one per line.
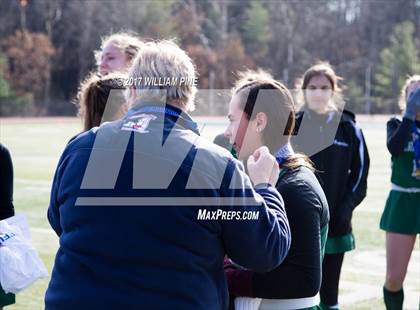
<point x="25" y="72"/>
<point x="256" y="31"/>
<point x="398" y="60"/>
<point x="28" y="57"/>
<point x="372" y="44"/>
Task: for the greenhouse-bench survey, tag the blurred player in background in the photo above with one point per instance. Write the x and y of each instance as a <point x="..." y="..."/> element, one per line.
<point x="342" y="167"/>
<point x="401" y="217"/>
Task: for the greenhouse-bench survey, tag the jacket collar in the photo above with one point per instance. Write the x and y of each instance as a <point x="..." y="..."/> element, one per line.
<point x="322" y="118"/>
<point x="172" y="115"/>
<point x="283" y="153"/>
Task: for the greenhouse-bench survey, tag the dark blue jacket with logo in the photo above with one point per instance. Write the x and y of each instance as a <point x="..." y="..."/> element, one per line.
<point x="125" y="203"/>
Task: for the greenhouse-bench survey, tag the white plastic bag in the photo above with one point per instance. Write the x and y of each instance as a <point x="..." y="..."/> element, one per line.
<point x="20" y="265"/>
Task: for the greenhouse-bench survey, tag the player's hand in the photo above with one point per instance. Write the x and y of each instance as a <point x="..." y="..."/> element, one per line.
<point x="413" y="105"/>
<point x="263" y="167"/>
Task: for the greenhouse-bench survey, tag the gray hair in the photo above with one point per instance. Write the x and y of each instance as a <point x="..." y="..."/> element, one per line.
<point x="163" y="72"/>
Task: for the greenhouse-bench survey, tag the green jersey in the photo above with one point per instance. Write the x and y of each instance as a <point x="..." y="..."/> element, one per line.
<point x="403" y="164"/>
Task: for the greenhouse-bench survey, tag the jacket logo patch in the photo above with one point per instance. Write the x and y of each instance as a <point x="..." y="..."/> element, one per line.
<point x="140" y="124"/>
<point x="341" y="143"/>
<point x="410" y="147"/>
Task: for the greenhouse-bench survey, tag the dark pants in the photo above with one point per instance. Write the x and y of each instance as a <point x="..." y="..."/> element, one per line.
<point x="331" y="269"/>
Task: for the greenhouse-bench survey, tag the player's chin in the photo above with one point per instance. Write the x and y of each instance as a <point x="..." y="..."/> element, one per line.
<point x="103" y="71"/>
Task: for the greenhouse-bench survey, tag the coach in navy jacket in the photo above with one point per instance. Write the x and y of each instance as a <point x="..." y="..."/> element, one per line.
<point x="130" y="241"/>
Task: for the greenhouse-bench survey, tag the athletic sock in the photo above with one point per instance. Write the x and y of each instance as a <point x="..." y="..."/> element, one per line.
<point x="393" y="300"/>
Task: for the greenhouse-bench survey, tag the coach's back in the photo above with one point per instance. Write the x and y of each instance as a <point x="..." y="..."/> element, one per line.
<point x="125" y="201"/>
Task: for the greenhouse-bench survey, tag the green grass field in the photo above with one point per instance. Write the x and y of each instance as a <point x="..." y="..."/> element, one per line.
<point x="36" y="145"/>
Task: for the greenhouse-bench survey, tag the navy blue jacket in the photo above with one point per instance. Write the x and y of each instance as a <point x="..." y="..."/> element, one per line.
<point x="125" y="243"/>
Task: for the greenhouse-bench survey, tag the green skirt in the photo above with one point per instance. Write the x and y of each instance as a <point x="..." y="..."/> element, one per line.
<point x="402" y="213"/>
<point x="6" y="299"/>
<point x="340" y="244"/>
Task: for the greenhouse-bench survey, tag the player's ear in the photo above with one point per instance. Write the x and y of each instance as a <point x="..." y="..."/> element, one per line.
<point x="261" y="121"/>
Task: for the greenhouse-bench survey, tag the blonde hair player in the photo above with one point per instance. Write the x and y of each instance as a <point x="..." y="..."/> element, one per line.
<point x="401" y="216"/>
<point x="117" y="52"/>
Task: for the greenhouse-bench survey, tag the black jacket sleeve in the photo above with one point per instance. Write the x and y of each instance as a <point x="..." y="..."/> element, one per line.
<point x="300" y="274"/>
<point x="6" y="184"/>
<point x="357" y="182"/>
<point x="398" y="133"/>
<point x="302" y="268"/>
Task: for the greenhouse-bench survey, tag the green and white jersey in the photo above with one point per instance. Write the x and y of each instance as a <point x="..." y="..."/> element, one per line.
<point x="403" y="167"/>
